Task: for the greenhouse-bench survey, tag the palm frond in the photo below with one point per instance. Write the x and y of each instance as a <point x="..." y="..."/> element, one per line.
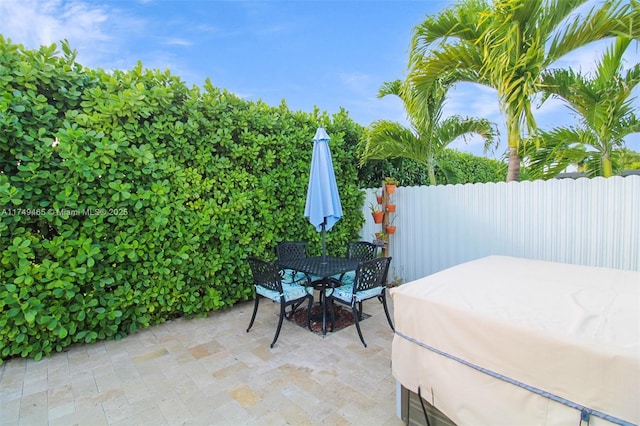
<point x="557" y="150"/>
<point x="612" y="19"/>
<point x="456" y="127"/>
<point x="458" y="23"/>
<point x="390" y="88"/>
<point x="388" y="139"/>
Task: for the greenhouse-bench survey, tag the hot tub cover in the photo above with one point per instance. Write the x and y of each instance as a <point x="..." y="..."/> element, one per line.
<point x="505" y="340"/>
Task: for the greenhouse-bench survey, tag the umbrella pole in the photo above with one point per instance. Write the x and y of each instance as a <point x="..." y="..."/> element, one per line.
<point x="324" y="245"/>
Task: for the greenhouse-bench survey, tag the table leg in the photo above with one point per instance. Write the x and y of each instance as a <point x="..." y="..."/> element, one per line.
<point x="323" y="300"/>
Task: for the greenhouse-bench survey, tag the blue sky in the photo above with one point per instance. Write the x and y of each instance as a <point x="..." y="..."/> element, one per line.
<point x="329" y="54"/>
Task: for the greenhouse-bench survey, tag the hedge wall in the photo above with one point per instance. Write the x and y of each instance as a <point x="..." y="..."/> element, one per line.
<point x="463" y="168"/>
<point x="127" y="198"/>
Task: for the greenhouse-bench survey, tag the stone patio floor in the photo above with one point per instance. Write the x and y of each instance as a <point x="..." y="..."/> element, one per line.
<point x="209" y="371"/>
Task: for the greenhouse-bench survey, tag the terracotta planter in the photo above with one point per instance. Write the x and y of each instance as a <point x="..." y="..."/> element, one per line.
<point x="391" y="208"/>
<point x="377" y="217"/>
<point x="391" y="229"/>
<point x="379" y="199"/>
<point x="381" y="239"/>
<point x="390" y="189"/>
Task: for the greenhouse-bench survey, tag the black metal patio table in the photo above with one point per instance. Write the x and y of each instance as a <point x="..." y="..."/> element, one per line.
<point x="323" y="267"/>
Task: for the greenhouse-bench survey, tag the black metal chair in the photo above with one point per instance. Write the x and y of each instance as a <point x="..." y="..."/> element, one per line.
<point x="292" y="250"/>
<point x="268" y="283"/>
<point x="369" y="282"/>
<point x="359" y="250"/>
<point x="362" y="250"/>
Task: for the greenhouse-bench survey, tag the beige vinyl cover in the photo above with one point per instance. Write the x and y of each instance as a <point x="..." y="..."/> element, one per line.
<point x="569" y="330"/>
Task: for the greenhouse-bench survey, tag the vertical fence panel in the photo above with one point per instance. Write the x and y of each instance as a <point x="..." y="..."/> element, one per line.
<point x="592" y="222"/>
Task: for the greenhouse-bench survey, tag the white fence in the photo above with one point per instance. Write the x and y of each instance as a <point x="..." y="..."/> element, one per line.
<point x="592" y="222"/>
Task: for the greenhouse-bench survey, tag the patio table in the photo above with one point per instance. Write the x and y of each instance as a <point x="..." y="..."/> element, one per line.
<point x="323" y="267"/>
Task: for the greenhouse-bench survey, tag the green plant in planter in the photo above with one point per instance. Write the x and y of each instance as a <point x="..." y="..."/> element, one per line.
<point x="376" y="212"/>
<point x="380" y="239"/>
<point x="390" y="181"/>
<point x="390" y="185"/>
<point x="379" y="197"/>
<point x="375" y="209"/>
<point x="396" y="281"/>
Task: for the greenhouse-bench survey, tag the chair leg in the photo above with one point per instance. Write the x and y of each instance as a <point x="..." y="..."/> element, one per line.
<point x="282" y="314"/>
<point x="294" y="308"/>
<point x="356" y="319"/>
<point x="255" y="311"/>
<point x="383" y="298"/>
<point x="333" y="313"/>
<point x="309" y="312"/>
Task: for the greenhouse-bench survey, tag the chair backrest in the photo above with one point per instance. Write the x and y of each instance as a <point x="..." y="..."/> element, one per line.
<point x="265" y="274"/>
<point x="361" y="250"/>
<point x="371" y="274"/>
<point x="291" y="250"/>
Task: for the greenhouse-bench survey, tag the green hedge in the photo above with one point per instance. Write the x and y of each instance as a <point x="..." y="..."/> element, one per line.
<point x="463" y="168"/>
<point x="128" y="198"/>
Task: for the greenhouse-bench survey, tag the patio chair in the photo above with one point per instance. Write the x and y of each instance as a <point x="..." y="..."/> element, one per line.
<point x="295" y="250"/>
<point x="268" y="283"/>
<point x="292" y="250"/>
<point x="359" y="250"/>
<point x="369" y="282"/>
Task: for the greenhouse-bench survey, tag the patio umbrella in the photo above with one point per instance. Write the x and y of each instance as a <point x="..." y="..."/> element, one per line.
<point x="323" y="206"/>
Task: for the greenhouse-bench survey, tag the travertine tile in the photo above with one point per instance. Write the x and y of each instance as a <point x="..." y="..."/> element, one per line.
<point x="59" y="395"/>
<point x="135" y="390"/>
<point x="10" y="410"/>
<point x="210" y="371"/>
<point x="93" y="417"/>
<point x="174" y="410"/>
<point x="58" y="411"/>
<point x="33" y="408"/>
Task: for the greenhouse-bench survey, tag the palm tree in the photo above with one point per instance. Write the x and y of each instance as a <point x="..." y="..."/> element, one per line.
<point x="428" y="134"/>
<point x="605" y="108"/>
<point x="508" y="45"/>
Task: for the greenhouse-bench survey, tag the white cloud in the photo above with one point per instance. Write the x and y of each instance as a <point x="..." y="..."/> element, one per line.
<point x="35" y="23"/>
<point x="177" y="42"/>
<point x="473" y="100"/>
<point x="585" y="59"/>
<point x="367" y="110"/>
<point x="89" y="28"/>
<point x="357" y="82"/>
<point x="271" y="29"/>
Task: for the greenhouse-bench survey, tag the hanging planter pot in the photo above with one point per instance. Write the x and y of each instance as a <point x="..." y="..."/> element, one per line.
<point x="381" y="239"/>
<point x="379" y="199"/>
<point x="391" y="229"/>
<point x="377" y="216"/>
<point x="390" y="185"/>
<point x="391" y="208"/>
<point x="390" y="189"/>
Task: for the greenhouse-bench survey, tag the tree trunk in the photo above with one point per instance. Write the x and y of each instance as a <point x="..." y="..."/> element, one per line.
<point x="513" y="172"/>
<point x="432" y="175"/>
<point x="607" y="166"/>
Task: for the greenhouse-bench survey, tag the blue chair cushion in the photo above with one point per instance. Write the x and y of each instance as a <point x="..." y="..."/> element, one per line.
<point x="345" y="293"/>
<point x="347" y="278"/>
<point x="290" y="276"/>
<point x="291" y="292"/>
